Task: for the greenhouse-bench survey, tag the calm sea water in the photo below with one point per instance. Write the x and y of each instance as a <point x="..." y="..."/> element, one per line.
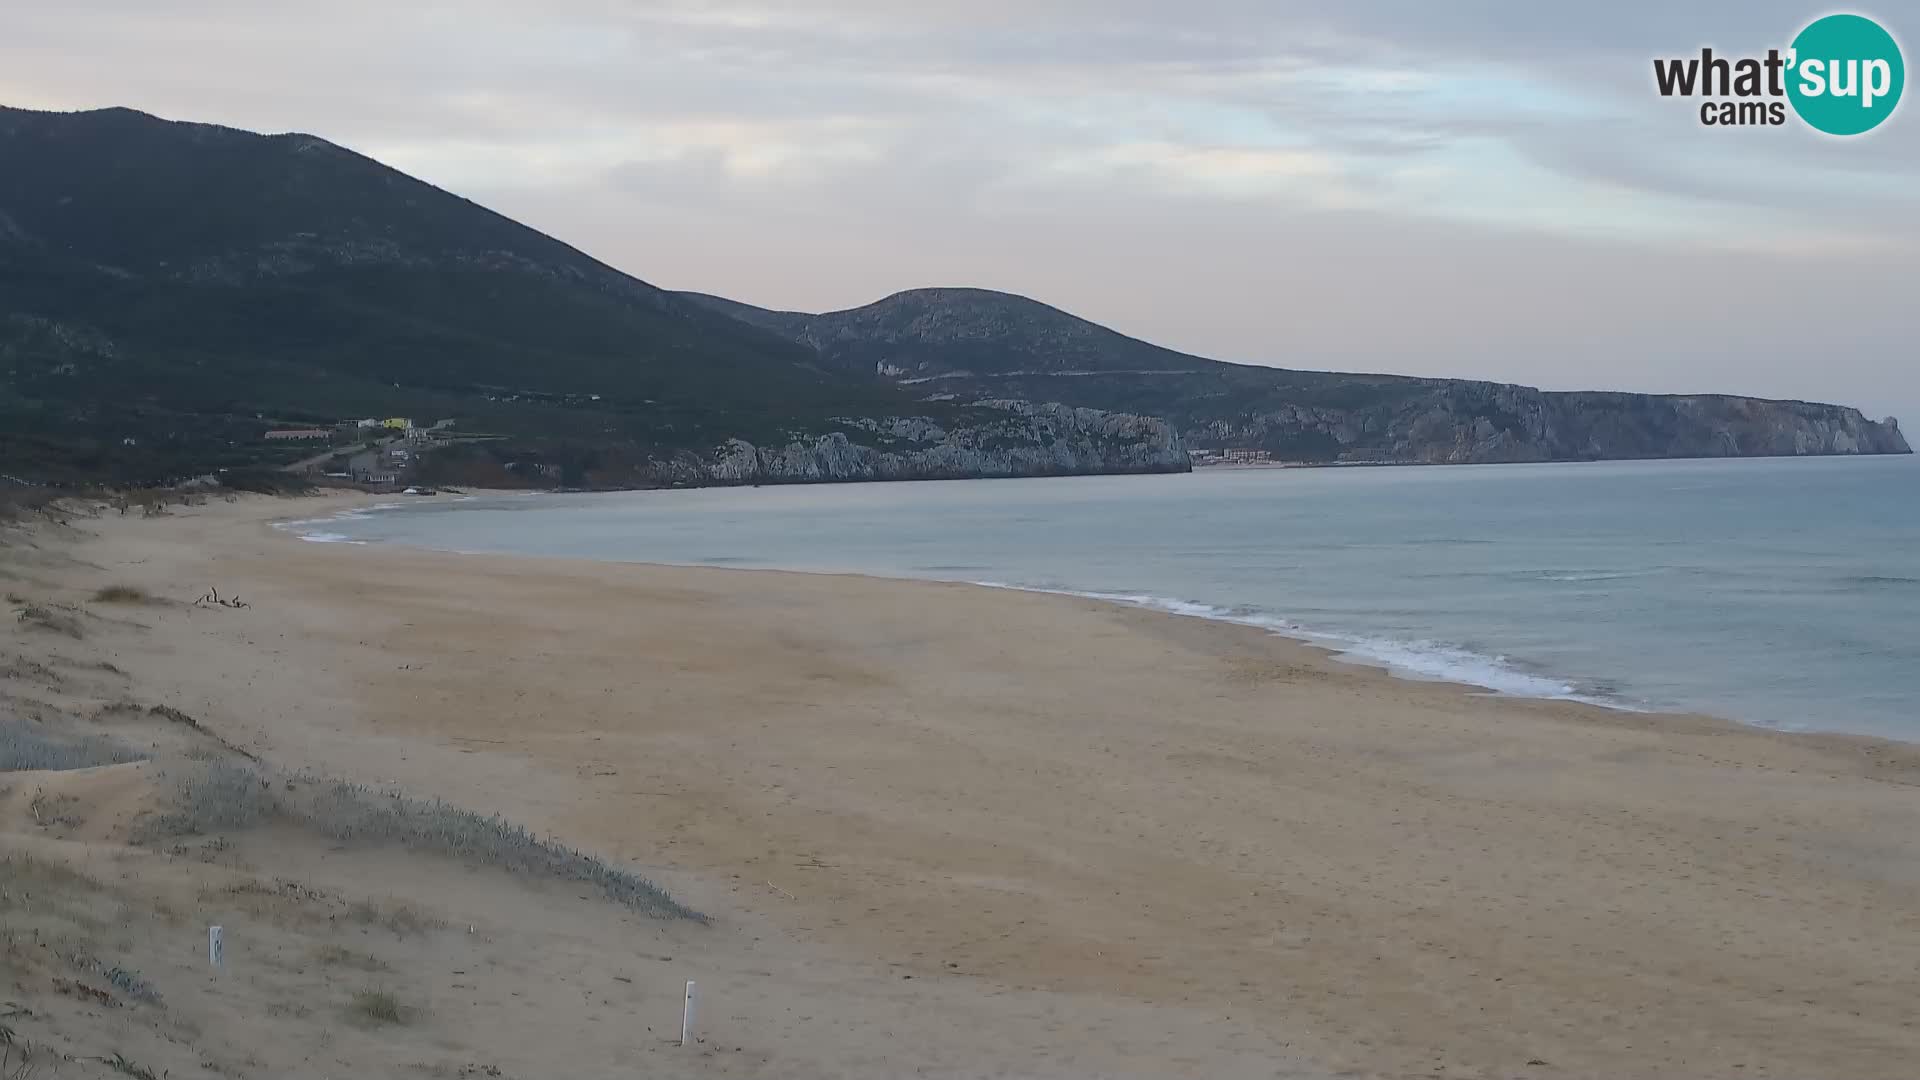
<point x="1780" y="592"/>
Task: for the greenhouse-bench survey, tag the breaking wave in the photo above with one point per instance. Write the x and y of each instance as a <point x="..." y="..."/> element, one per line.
<point x="1417" y="659"/>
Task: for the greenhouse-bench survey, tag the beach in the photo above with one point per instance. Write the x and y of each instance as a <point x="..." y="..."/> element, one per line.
<point x="950" y="830"/>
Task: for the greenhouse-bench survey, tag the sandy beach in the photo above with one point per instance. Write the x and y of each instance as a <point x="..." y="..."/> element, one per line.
<point x="955" y="831"/>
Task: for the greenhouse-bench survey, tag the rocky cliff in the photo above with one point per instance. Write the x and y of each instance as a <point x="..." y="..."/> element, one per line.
<point x="1461" y="422"/>
<point x="972" y="342"/>
<point x="983" y="439"/>
<point x="1029" y="440"/>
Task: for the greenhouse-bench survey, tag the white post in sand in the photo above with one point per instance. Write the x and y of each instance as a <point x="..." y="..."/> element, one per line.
<point x="686" y="1018"/>
<point x="216" y="947"/>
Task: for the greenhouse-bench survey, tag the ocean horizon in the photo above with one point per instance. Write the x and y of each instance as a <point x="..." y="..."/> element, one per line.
<point x="1780" y="592"/>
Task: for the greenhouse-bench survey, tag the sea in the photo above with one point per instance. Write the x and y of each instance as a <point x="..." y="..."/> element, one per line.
<point x="1782" y="592"/>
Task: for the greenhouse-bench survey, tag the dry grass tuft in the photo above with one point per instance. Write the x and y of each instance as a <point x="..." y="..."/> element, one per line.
<point x="379" y="1007"/>
<point x="126" y="980"/>
<point x="399" y="916"/>
<point x="46" y="618"/>
<point x="17" y="1058"/>
<point x="341" y="957"/>
<point x="48" y="811"/>
<point x="125" y="1066"/>
<point x="22" y="872"/>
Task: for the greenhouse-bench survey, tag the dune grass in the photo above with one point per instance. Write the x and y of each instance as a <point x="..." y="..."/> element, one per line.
<point x="398" y="916"/>
<point x="126" y="980"/>
<point x="26" y="746"/>
<point x="349" y="813"/>
<point x="221" y="796"/>
<point x="217" y="797"/>
<point x="126" y="1066"/>
<point x="378" y="1007"/>
<point x="47" y="618"/>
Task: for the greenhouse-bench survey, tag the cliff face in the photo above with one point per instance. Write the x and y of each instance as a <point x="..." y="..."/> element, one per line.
<point x="985" y="439"/>
<point x="1031" y="440"/>
<point x="1458" y="423"/>
<point x="971" y="342"/>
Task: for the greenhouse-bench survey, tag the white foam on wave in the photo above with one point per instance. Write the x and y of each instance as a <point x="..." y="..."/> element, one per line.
<point x="1444" y="663"/>
<point x="1422" y="660"/>
<point x="311" y="529"/>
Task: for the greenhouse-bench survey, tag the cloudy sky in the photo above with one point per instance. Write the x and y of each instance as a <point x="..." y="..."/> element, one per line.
<point x="1484" y="188"/>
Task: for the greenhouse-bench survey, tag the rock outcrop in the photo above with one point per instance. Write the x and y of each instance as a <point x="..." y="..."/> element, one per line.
<point x="1463" y="422"/>
<point x="1027" y="440"/>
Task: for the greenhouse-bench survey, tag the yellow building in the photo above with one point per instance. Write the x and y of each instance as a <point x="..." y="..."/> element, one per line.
<point x="398" y="423"/>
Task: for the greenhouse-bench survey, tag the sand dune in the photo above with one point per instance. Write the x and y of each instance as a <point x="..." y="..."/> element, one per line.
<point x="944" y="830"/>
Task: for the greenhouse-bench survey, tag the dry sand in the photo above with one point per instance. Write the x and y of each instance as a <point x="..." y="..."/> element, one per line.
<point x="952" y="831"/>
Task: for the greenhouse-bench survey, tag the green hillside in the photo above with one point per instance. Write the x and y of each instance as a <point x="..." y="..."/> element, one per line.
<point x="186" y="287"/>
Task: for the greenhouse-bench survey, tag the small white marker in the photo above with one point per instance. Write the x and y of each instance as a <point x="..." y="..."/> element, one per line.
<point x="686" y="1018"/>
<point x="216" y="947"/>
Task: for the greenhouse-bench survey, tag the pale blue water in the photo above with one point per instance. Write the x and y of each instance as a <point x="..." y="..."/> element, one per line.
<point x="1783" y="592"/>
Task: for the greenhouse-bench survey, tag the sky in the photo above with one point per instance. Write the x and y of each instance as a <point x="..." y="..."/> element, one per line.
<point x="1483" y="188"/>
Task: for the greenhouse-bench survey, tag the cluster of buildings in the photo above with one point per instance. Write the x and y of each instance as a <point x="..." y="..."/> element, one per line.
<point x="356" y="428"/>
<point x="1230" y="456"/>
<point x="379" y="466"/>
<point x="381" y="458"/>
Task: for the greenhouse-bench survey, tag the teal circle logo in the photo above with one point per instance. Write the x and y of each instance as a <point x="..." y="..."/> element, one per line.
<point x="1846" y="74"/>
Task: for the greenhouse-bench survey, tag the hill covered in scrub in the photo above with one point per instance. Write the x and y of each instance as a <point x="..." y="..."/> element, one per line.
<point x="975" y="342"/>
<point x="169" y="291"/>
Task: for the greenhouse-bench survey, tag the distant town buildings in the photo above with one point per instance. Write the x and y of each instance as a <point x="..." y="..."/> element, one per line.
<point x="1230" y="456"/>
<point x="380" y="452"/>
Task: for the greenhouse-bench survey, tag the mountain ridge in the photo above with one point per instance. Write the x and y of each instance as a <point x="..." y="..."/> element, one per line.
<point x="171" y="290"/>
<point x="983" y="341"/>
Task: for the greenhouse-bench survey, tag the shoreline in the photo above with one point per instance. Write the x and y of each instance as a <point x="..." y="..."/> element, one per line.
<point x="1289" y="637"/>
<point x="1125" y="843"/>
<point x="1345" y="647"/>
<point x="1410" y="662"/>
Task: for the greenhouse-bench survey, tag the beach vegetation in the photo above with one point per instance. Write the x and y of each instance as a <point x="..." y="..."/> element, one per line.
<point x="26" y="746"/>
<point x="342" y="957"/>
<point x="398" y="917"/>
<point x="126" y="1066"/>
<point x="378" y="1007"/>
<point x="47" y="617"/>
<point x="222" y="796"/>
